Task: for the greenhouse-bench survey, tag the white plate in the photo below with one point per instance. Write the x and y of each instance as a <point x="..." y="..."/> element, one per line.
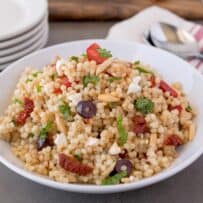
<point x="18" y="16"/>
<point x="33" y="47"/>
<point x="171" y="67"/>
<point x="42" y="43"/>
<point x="25" y="44"/>
<point x="24" y="36"/>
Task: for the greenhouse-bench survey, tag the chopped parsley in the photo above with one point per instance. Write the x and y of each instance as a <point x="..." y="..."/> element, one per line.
<point x="188" y="108"/>
<point x="142" y="70"/>
<point x="39" y="88"/>
<point x="17" y="101"/>
<point x="31" y="135"/>
<point x="104" y="53"/>
<point x="74" y="58"/>
<point x="112" y="79"/>
<point x="123" y="135"/>
<point x="84" y="55"/>
<point x="112" y="105"/>
<point x="36" y="74"/>
<point x="78" y="157"/>
<point x="28" y="80"/>
<point x="44" y="131"/>
<point x="90" y="79"/>
<point x="115" y="179"/>
<point x="144" y="105"/>
<point x="54" y="76"/>
<point x="136" y="63"/>
<point x="65" y="110"/>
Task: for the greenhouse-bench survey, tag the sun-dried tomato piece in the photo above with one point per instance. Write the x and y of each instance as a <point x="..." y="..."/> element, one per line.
<point x="174" y="140"/>
<point x="77" y="81"/>
<point x="153" y="81"/>
<point x="65" y="81"/>
<point x="142" y="128"/>
<point x="24" y="114"/>
<point x="166" y="88"/>
<point x="178" y="107"/>
<point x="28" y="105"/>
<point x="57" y="91"/>
<point x="21" y="118"/>
<point x="71" y="164"/>
<point x="139" y="119"/>
<point x="140" y="125"/>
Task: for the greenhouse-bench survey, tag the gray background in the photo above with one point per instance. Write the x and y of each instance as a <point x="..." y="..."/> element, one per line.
<point x="185" y="187"/>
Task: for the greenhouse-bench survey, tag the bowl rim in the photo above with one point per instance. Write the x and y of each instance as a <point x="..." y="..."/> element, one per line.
<point x="85" y="188"/>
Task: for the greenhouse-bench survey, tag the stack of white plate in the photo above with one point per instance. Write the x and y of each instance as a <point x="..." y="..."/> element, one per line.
<point x="23" y="28"/>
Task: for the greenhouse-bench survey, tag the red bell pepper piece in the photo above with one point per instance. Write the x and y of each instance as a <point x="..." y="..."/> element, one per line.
<point x="166" y="88"/>
<point x="93" y="54"/>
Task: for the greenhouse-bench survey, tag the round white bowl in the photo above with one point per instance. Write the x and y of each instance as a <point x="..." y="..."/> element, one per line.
<point x="171" y="67"/>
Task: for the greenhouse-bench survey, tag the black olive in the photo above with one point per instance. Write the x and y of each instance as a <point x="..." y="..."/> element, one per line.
<point x="123" y="154"/>
<point x="124" y="165"/>
<point x="44" y="142"/>
<point x="86" y="109"/>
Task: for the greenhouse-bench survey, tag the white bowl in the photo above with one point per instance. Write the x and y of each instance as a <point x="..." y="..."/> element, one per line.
<point x="171" y="67"/>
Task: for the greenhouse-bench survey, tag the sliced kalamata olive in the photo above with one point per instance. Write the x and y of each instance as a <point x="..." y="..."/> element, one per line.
<point x="123" y="154"/>
<point x="86" y="109"/>
<point x="124" y="165"/>
<point x="44" y="142"/>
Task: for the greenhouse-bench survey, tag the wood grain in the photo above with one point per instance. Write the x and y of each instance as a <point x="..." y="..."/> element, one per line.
<point x="119" y="9"/>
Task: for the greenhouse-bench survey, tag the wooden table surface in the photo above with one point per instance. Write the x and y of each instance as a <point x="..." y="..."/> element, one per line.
<point x="185" y="187"/>
<point x="119" y="9"/>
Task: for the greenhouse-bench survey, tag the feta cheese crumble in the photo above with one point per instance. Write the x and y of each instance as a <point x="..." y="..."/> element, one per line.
<point x="134" y="85"/>
<point x="115" y="149"/>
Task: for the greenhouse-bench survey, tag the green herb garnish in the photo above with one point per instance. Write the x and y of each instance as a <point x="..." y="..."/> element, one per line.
<point x="188" y="108"/>
<point x="44" y="131"/>
<point x="74" y="58"/>
<point x="136" y="63"/>
<point x="112" y="105"/>
<point x="104" y="53"/>
<point x="144" y="105"/>
<point x="36" y="74"/>
<point x="31" y="135"/>
<point x="65" y="110"/>
<point x="14" y="122"/>
<point x="54" y="76"/>
<point x="116" y="179"/>
<point x="39" y="88"/>
<point x="28" y="80"/>
<point x="78" y="157"/>
<point x="123" y="135"/>
<point x="90" y="79"/>
<point x="142" y="70"/>
<point x="84" y="55"/>
<point x="112" y="79"/>
<point x="17" y="101"/>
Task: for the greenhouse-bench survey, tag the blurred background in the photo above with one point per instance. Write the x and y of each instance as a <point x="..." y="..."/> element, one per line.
<point x="119" y="9"/>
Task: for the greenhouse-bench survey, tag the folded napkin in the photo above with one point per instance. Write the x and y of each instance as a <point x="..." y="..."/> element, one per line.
<point x="134" y="27"/>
